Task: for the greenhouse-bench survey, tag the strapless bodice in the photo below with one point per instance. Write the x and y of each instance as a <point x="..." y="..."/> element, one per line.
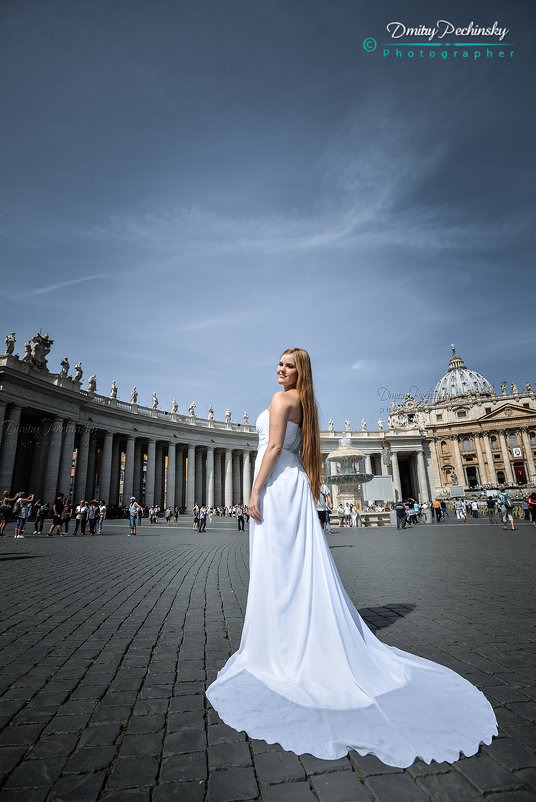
<point x="293" y="435"/>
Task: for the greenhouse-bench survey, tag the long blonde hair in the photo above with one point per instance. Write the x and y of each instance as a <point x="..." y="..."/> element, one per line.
<point x="311" y="457"/>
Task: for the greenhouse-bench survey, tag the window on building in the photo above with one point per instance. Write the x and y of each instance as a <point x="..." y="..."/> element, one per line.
<point x="500" y="477"/>
<point x="493" y="441"/>
<point x="532" y="436"/>
<point x="512" y="438"/>
<point x="487" y="410"/>
<point x="461" y="413"/>
<point x="444" y="449"/>
<point x="439" y="416"/>
<point x="466" y="443"/>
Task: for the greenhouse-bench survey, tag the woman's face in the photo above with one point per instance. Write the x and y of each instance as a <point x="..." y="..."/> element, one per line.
<point x="287" y="372"/>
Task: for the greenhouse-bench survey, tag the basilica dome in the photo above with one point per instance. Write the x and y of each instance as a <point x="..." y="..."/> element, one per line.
<point x="460" y="381"/>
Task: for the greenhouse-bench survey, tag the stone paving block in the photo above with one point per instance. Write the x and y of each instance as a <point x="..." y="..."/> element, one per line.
<point x="156" y="692"/>
<point x="61" y="724"/>
<point x="315" y="765"/>
<point x="100" y="735"/>
<point x="225" y="755"/>
<point x="148" y="743"/>
<point x="525" y="733"/>
<point x="180" y="704"/>
<point x="105" y="714"/>
<point x="504" y="694"/>
<point x="127" y="795"/>
<point x="90" y="758"/>
<point x="10" y="756"/>
<point x="77" y="788"/>
<point x="420" y="768"/>
<point x="220" y="733"/>
<point x="275" y="767"/>
<point x="186" y="740"/>
<point x="487" y="775"/>
<point x="512" y="796"/>
<point x="53" y="746"/>
<point x="193" y="791"/>
<point x="131" y="772"/>
<point x="193" y="719"/>
<point x="511" y="754"/>
<point x="387" y="787"/>
<point x="180" y="768"/>
<point x="231" y="785"/>
<point x="150" y="707"/>
<point x="188" y="688"/>
<point x="339" y="786"/>
<point x="525" y="709"/>
<point x="528" y="777"/>
<point x="24" y="795"/>
<point x="449" y="787"/>
<point x="23" y="734"/>
<point x="288" y="792"/>
<point x="140" y="724"/>
<point x="36" y="773"/>
<point x="368" y="765"/>
<point x="119" y="698"/>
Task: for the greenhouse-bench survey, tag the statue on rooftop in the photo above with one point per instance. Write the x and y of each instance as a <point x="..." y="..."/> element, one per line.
<point x="92" y="384"/>
<point x="64" y="373"/>
<point x="113" y="390"/>
<point x="78" y="372"/>
<point x="174" y="406"/>
<point x="10" y="343"/>
<point x="155" y="401"/>
<point x="134" y="395"/>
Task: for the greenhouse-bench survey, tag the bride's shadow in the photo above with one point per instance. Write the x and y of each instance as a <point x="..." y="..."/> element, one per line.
<point x="377" y="618"/>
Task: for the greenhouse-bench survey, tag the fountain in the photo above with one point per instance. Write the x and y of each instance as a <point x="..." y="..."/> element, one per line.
<point x="349" y="476"/>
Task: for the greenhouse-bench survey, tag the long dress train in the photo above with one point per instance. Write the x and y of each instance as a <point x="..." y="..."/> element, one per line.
<point x="309" y="674"/>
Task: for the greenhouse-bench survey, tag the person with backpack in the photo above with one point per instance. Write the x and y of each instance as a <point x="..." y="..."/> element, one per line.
<point x="324" y="504"/>
<point x="22" y="509"/>
<point x="507" y="508"/>
<point x="41" y="512"/>
<point x="400" y="510"/>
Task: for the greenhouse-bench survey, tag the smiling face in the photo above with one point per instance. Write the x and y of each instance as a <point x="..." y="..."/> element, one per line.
<point x="287" y="372"/>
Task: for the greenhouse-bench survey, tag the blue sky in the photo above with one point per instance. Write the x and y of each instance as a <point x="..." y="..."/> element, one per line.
<point x="189" y="188"/>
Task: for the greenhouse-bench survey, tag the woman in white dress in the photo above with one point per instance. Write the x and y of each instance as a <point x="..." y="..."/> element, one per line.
<point x="309" y="674"/>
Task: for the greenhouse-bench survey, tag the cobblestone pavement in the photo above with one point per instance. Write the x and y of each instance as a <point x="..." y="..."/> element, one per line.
<point x="108" y="643"/>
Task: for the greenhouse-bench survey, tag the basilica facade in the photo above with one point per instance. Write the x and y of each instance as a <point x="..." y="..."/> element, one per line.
<point x="57" y="436"/>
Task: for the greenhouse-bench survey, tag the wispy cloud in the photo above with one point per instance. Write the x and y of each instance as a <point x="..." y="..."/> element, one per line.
<point x="59" y="285"/>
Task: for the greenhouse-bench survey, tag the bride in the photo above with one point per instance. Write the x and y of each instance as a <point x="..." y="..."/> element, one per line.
<point x="309" y="674"/>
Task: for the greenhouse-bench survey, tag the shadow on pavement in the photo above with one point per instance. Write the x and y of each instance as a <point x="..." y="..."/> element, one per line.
<point x="8" y="556"/>
<point x="381" y="617"/>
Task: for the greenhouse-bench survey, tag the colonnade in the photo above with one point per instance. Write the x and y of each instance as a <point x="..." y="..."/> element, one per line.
<point x="56" y="454"/>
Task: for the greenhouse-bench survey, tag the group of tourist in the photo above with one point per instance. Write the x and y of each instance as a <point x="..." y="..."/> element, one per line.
<point x="200" y="513"/>
<point x="86" y="514"/>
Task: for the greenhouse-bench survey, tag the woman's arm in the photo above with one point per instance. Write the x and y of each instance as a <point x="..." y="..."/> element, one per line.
<point x="279" y="411"/>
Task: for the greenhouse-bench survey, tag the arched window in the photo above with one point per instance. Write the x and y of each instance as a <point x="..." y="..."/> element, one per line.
<point x="444" y="449"/>
<point x="466" y="442"/>
<point x="494" y="443"/>
<point x="512" y="438"/>
<point x="500" y="477"/>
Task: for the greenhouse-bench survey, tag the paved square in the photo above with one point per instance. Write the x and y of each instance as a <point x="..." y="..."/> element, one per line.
<point x="107" y="644"/>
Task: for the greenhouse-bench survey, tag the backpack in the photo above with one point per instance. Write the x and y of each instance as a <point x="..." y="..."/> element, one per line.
<point x="508" y="503"/>
<point x="16" y="506"/>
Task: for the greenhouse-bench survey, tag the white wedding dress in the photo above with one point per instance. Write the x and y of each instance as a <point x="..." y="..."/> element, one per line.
<point x="309" y="674"/>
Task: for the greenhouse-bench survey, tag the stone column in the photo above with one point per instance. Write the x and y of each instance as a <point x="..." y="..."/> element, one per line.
<point x="158" y="471"/>
<point x="228" y="492"/>
<point x="179" y="477"/>
<point x="509" y="474"/>
<point x="528" y="454"/>
<point x="217" y="479"/>
<point x="2" y="418"/>
<point x="53" y="458"/>
<point x="396" y="476"/>
<point x="66" y="465"/>
<point x="150" y="474"/>
<point x="384" y="467"/>
<point x="480" y="458"/>
<point x="91" y="460"/>
<point x="170" y="478"/>
<point x="9" y="447"/>
<point x="424" y="493"/>
<point x="237" y="494"/>
<point x="368" y="463"/>
<point x="39" y="460"/>
<point x="458" y="460"/>
<point x="199" y="459"/>
<point x="190" y="480"/>
<point x="210" y="476"/>
<point x="115" y="472"/>
<point x="136" y="478"/>
<point x="128" y="481"/>
<point x="246" y="477"/>
<point x="82" y="456"/>
<point x="492" y="475"/>
<point x="106" y="468"/>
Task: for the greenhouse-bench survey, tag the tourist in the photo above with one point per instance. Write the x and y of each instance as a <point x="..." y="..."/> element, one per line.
<point x="340" y="513"/>
<point x="491" y="504"/>
<point x="41" y="512"/>
<point x="309" y="673"/>
<point x="526" y="512"/>
<point x="5" y="510"/>
<point x="240" y="517"/>
<point x="102" y="516"/>
<point x="175" y="515"/>
<point x="459" y="506"/>
<point x="168" y="515"/>
<point x="22" y="510"/>
<point x="80" y="518"/>
<point x="506" y="506"/>
<point x="354" y="515"/>
<point x="133" y="509"/>
<point x="202" y="524"/>
<point x="195" y="515"/>
<point x="444" y="510"/>
<point x="400" y="511"/>
<point x="152" y="515"/>
<point x="347" y="513"/>
<point x="532" y="507"/>
<point x="66" y="516"/>
<point x="93" y="516"/>
<point x="57" y="512"/>
<point x="324" y="503"/>
<point x="412" y="512"/>
<point x="436" y="508"/>
<point x="474" y="509"/>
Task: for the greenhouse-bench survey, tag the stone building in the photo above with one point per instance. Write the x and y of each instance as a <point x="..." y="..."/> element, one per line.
<point x="477" y="438"/>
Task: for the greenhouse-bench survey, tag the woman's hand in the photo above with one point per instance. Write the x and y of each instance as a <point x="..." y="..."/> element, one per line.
<point x="253" y="507"/>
